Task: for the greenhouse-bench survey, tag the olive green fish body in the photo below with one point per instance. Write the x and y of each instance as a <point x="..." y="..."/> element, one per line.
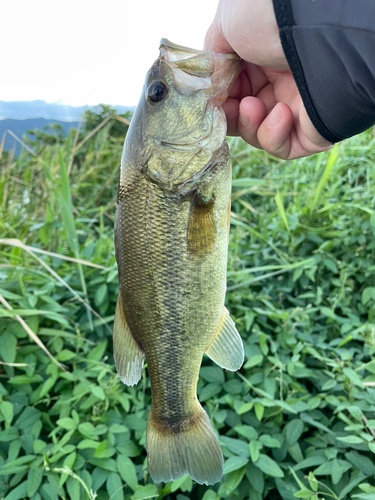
<point x="172" y="293"/>
<point x="171" y="234"/>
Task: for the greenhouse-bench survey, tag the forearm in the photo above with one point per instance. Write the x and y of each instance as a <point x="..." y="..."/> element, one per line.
<point x="330" y="48"/>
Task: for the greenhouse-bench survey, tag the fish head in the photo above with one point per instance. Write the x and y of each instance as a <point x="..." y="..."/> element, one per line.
<point x="179" y="122"/>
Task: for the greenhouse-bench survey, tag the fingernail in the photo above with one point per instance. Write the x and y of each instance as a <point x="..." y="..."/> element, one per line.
<point x="244" y="120"/>
<point x="274" y="117"/>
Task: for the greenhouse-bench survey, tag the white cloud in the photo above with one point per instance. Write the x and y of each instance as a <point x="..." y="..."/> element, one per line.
<point x="87" y="52"/>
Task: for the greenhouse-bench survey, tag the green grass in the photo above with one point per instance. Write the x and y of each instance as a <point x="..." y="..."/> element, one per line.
<point x="297" y="421"/>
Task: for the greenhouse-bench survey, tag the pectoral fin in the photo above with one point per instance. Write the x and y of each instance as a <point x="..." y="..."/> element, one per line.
<point x="226" y="349"/>
<point x="201" y="232"/>
<point x="129" y="357"/>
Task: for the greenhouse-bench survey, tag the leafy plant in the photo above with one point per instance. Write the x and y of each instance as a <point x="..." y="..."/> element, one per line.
<point x="297" y="421"/>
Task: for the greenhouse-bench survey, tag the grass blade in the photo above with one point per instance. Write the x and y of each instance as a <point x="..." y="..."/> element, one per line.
<point x="323" y="181"/>
<point x="280" y="206"/>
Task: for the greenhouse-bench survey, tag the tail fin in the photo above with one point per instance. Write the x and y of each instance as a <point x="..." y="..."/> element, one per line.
<point x="193" y="450"/>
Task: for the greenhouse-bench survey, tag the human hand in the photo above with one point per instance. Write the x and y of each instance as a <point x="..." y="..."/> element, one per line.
<point x="264" y="106"/>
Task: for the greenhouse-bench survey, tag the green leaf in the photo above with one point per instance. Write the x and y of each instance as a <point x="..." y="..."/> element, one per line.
<point x="87" y="430"/>
<point x="104" y="450"/>
<point x="68" y="462"/>
<point x="127" y="471"/>
<point x="8" y="347"/>
<point x="49" y="491"/>
<point x="209" y="391"/>
<point x="236" y="446"/>
<point x="19" y="461"/>
<point x="254" y="361"/>
<point x="67" y="423"/>
<point x="367" y="488"/>
<point x="73" y="486"/>
<point x="247" y="431"/>
<point x="118" y="429"/>
<point x="293" y="431"/>
<point x="336" y="471"/>
<point x="104" y="463"/>
<point x="8" y="435"/>
<point x="144" y="492"/>
<point x="99" y="476"/>
<point x="255" y="477"/>
<point x="353" y="377"/>
<point x="98" y="392"/>
<point x="350" y="439"/>
<point x="268" y="466"/>
<point x="129" y="448"/>
<point x="234" y="463"/>
<point x="97" y="353"/>
<point x="212" y="374"/>
<point x="233" y="479"/>
<point x="101" y="294"/>
<point x="254" y="448"/>
<point x="303" y="494"/>
<point x="39" y="445"/>
<point x="87" y="443"/>
<point x="368" y="293"/>
<point x="178" y="484"/>
<point x="269" y="441"/>
<point x="65" y="355"/>
<point x="310" y="462"/>
<point x="259" y="411"/>
<point x="355" y="479"/>
<point x="6" y="409"/>
<point x="34" y="480"/>
<point x="115" y="487"/>
<point x="25" y="379"/>
<point x="362" y="463"/>
<point x="355" y="412"/>
<point x="19" y="492"/>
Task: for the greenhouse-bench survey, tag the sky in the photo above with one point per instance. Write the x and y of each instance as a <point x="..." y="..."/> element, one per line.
<point x="90" y="52"/>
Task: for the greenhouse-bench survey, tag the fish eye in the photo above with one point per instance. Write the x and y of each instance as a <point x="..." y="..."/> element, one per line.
<point x="156" y="92"/>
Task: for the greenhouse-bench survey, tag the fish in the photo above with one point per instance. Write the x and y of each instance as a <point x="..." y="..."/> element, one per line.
<point x="171" y="241"/>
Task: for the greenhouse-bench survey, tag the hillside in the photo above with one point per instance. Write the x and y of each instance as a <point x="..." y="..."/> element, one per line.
<point x="23" y="110"/>
<point x="20" y="127"/>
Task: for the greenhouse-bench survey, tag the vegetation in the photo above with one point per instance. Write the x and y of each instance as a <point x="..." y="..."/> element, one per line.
<point x="297" y="421"/>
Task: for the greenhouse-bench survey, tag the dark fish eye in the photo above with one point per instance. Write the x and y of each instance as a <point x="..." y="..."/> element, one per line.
<point x="156" y="92"/>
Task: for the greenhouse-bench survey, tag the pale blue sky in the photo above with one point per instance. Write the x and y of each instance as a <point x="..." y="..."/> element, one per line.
<point x="87" y="52"/>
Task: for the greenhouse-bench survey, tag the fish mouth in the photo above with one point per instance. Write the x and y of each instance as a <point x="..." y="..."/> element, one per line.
<point x="206" y="69"/>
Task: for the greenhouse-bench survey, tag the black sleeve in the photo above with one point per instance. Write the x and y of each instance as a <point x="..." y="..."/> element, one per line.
<point x="330" y="48"/>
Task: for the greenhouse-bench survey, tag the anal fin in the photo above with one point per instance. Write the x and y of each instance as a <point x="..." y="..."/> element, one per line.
<point x="226" y="349"/>
<point x="129" y="357"/>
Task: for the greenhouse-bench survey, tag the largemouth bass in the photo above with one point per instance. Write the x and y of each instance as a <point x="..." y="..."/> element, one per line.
<point x="171" y="235"/>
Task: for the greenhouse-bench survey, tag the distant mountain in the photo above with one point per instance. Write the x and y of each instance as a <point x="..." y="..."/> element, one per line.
<point x="23" y="110"/>
<point x="20" y="127"/>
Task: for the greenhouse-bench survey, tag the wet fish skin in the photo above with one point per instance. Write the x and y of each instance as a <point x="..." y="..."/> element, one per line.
<point x="171" y="235"/>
